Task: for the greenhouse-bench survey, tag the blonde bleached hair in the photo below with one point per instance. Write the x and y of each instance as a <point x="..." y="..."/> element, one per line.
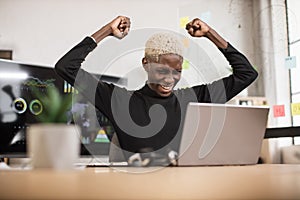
<point x="163" y="43"/>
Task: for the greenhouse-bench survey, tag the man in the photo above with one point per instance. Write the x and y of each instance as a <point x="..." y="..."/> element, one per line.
<point x="152" y="117"/>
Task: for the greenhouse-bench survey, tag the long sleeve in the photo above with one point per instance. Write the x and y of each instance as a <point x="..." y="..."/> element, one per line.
<point x="69" y="65"/>
<point x="69" y="68"/>
<point x="223" y="90"/>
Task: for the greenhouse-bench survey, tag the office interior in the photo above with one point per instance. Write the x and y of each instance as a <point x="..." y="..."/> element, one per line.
<point x="37" y="33"/>
<point x="267" y="31"/>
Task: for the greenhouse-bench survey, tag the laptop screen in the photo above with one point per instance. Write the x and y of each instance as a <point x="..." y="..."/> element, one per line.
<point x="222" y="134"/>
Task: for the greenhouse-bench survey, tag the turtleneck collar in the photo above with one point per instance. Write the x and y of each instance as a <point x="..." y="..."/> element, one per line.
<point x="146" y="90"/>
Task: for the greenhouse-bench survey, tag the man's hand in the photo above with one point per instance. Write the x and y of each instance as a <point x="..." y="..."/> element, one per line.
<point x="197" y="28"/>
<point x="119" y="26"/>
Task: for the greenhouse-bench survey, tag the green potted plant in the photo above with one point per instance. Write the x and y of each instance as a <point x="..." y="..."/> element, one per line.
<point x="53" y="107"/>
<point x="52" y="143"/>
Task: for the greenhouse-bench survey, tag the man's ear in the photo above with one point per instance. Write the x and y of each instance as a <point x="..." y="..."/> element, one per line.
<point x="145" y="64"/>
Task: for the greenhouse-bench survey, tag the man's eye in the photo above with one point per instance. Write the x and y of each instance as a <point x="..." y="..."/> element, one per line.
<point x="163" y="71"/>
<point x="176" y="72"/>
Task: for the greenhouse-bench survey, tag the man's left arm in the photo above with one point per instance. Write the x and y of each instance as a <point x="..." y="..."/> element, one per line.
<point x="243" y="74"/>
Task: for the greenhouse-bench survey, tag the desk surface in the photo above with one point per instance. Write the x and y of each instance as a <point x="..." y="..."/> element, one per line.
<point x="230" y="182"/>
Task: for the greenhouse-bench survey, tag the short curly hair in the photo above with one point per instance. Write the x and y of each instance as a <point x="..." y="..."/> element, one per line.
<point x="163" y="43"/>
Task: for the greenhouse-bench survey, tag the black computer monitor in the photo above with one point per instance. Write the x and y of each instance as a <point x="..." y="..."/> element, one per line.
<point x="18" y="109"/>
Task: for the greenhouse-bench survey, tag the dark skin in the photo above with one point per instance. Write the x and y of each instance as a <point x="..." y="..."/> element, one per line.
<point x="164" y="74"/>
<point x="198" y="28"/>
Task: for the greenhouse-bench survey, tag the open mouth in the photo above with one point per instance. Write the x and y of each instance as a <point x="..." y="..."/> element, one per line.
<point x="167" y="87"/>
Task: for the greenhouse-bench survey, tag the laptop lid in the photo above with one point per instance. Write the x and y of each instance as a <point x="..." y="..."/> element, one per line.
<point x="222" y="134"/>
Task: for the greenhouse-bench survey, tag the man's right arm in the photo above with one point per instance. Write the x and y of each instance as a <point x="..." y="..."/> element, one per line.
<point x="94" y="90"/>
<point x="68" y="66"/>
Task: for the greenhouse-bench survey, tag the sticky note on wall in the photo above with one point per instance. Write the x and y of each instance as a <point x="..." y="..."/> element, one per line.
<point x="184" y="21"/>
<point x="185" y="64"/>
<point x="290" y="62"/>
<point x="278" y="111"/>
<point x="295" y="107"/>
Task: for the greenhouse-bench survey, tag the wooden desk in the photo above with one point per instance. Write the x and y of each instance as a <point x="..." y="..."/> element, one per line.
<point x="230" y="182"/>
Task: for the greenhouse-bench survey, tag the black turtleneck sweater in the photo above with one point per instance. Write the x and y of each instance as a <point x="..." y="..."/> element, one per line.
<point x="141" y="118"/>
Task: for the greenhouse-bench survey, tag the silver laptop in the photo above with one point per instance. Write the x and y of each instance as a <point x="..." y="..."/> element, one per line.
<point x="222" y="134"/>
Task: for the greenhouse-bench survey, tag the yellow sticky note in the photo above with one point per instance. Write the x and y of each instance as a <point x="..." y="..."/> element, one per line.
<point x="185" y="64"/>
<point x="255" y="67"/>
<point x="184" y="21"/>
<point x="295" y="107"/>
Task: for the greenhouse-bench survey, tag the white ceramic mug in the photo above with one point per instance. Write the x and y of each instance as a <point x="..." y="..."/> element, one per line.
<point x="55" y="146"/>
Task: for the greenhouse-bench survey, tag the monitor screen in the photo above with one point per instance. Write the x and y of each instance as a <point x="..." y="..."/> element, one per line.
<point x="19" y="109"/>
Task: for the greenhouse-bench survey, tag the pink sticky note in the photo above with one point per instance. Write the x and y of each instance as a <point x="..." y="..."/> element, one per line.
<point x="278" y="111"/>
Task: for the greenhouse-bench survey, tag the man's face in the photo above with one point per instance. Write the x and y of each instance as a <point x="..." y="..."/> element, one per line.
<point x="164" y="75"/>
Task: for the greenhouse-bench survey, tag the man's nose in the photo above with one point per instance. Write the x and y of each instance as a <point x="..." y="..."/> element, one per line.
<point x="169" y="77"/>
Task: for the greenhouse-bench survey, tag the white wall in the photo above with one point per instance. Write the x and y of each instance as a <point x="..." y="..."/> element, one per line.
<point x="40" y="32"/>
<point x="271" y="50"/>
<point x="294" y="39"/>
